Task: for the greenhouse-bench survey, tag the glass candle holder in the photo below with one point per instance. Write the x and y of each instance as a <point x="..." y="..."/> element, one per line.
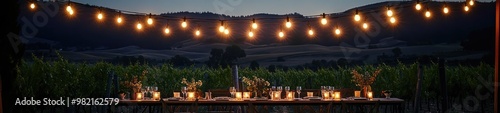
<point x="357" y="94"/>
<point x="238" y="96"/>
<point x="290" y="95"/>
<point x="310" y="94"/>
<point x="177" y="94"/>
<point x="276" y="95"/>
<point x="326" y="95"/>
<point x="246" y="95"/>
<point x="156" y="95"/>
<point x="370" y="95"/>
<point x="336" y="95"/>
<point x="139" y="96"/>
<point x="191" y="96"/>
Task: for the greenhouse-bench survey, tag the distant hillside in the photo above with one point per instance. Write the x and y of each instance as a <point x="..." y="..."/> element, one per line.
<point x="84" y="31"/>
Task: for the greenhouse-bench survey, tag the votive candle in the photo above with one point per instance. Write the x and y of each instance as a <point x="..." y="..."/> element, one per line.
<point x="238" y="96"/>
<point x="357" y="94"/>
<point x="177" y="94"/>
<point x="246" y="95"/>
<point x="156" y="95"/>
<point x="310" y="94"/>
<point x="370" y="95"/>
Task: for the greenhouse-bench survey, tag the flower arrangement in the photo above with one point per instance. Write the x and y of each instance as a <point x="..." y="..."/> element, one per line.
<point x="257" y="85"/>
<point x="364" y="80"/>
<point x="193" y="85"/>
<point x="136" y="82"/>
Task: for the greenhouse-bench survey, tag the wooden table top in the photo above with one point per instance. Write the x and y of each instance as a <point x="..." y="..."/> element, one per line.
<point x="265" y="102"/>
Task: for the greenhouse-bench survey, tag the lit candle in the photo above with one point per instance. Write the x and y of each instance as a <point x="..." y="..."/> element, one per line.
<point x="177" y="94"/>
<point x="156" y="95"/>
<point x="190" y="96"/>
<point x="337" y="95"/>
<point x="277" y="95"/>
<point x="357" y="94"/>
<point x="139" y="96"/>
<point x="289" y="95"/>
<point x="246" y="95"/>
<point x="310" y="94"/>
<point x="370" y="95"/>
<point x="326" y="95"/>
<point x="238" y="96"/>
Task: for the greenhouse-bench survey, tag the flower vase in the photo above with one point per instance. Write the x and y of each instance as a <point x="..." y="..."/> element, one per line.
<point x="366" y="88"/>
<point x="257" y="94"/>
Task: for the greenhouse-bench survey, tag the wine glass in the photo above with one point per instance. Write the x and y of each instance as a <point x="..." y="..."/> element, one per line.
<point x="298" y="90"/>
<point x="155" y="89"/>
<point x="287" y="88"/>
<point x="330" y="90"/>
<point x="184" y="90"/>
<point x="273" y="88"/>
<point x="232" y="90"/>
<point x="279" y="88"/>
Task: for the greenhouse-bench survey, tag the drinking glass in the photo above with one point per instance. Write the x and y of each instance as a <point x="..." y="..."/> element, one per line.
<point x="273" y="88"/>
<point x="298" y="90"/>
<point x="232" y="90"/>
<point x="155" y="89"/>
<point x="330" y="90"/>
<point x="279" y="88"/>
<point x="287" y="88"/>
<point x="184" y="90"/>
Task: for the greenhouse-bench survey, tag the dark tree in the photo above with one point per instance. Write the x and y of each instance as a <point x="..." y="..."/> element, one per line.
<point x="232" y="54"/>
<point x="215" y="57"/>
<point x="254" y="65"/>
<point x="178" y="60"/>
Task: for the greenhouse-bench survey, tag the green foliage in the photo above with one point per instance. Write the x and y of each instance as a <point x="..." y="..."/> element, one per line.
<point x="60" y="78"/>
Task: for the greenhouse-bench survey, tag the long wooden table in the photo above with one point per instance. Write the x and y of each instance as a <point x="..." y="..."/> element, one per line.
<point x="300" y="105"/>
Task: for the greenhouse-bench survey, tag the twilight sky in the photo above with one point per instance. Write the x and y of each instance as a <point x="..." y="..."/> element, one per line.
<point x="236" y="7"/>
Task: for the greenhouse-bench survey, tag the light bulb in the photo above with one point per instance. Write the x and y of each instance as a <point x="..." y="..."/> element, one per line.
<point x="357" y="17"/>
<point x="32" y="6"/>
<point x="221" y="29"/>
<point x="418" y="6"/>
<point x="99" y="16"/>
<point x="288" y="24"/>
<point x="365" y="25"/>
<point x="389" y="13"/>
<point x="119" y="20"/>
<point x="69" y="10"/>
<point x="139" y="26"/>
<point x="471" y="2"/>
<point x="226" y="31"/>
<point x="337" y="31"/>
<point x="446" y="10"/>
<point x="466" y="8"/>
<point x="281" y="34"/>
<point x="324" y="21"/>
<point x="250" y="34"/>
<point x="311" y="32"/>
<point x="150" y="21"/>
<point x="197" y="33"/>
<point x="167" y="31"/>
<point x="428" y="14"/>
<point x="254" y="25"/>
<point x="184" y="24"/>
<point x="393" y="20"/>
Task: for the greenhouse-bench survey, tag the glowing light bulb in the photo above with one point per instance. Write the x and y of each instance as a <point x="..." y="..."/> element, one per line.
<point x="466" y="8"/>
<point x="254" y="26"/>
<point x="197" y="33"/>
<point x="69" y="10"/>
<point x="389" y="12"/>
<point x="32" y="5"/>
<point x="99" y="16"/>
<point x="357" y="17"/>
<point x="288" y="24"/>
<point x="250" y="34"/>
<point x="365" y="25"/>
<point x="226" y="31"/>
<point x="281" y="34"/>
<point x="184" y="24"/>
<point x="221" y="29"/>
<point x="337" y="31"/>
<point x="150" y="21"/>
<point x="119" y="20"/>
<point x="392" y="20"/>
<point x="139" y="26"/>
<point x="324" y="21"/>
<point x="428" y="14"/>
<point x="446" y="10"/>
<point x="418" y="6"/>
<point x="311" y="32"/>
<point x="471" y="2"/>
<point x="167" y="30"/>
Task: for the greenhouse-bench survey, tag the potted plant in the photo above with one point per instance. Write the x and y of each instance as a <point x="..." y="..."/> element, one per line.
<point x="256" y="85"/>
<point x="364" y="80"/>
<point x="135" y="84"/>
<point x="193" y="86"/>
<point x="387" y="93"/>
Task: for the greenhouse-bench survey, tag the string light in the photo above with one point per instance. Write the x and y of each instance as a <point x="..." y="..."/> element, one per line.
<point x="32" y="6"/>
<point x="389" y="11"/>
<point x="250" y="34"/>
<point x="288" y="23"/>
<point x="139" y="26"/>
<point x="445" y="10"/>
<point x="184" y="23"/>
<point x="226" y="31"/>
<point x="471" y="2"/>
<point x="466" y="8"/>
<point x="311" y="32"/>
<point x="337" y="31"/>
<point x="323" y="20"/>
<point x="167" y="30"/>
<point x="119" y="19"/>
<point x="100" y="15"/>
<point x="357" y="17"/>
<point x="69" y="9"/>
<point x="221" y="28"/>
<point x="150" y="20"/>
<point x="281" y="34"/>
<point x="365" y="25"/>
<point x="254" y="25"/>
<point x="392" y="20"/>
<point x="428" y="13"/>
<point x="418" y="6"/>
